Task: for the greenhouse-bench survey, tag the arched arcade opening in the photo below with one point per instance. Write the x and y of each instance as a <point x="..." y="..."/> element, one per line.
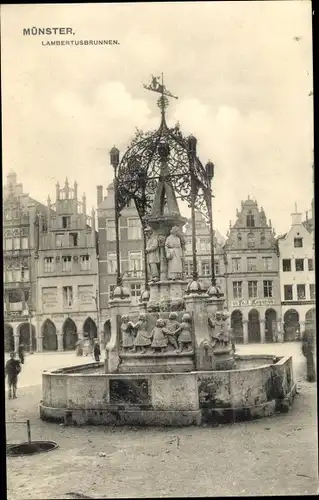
<point x="291" y="325"/>
<point x="69" y="335"/>
<point x="253" y="326"/>
<point x="270" y="325"/>
<point x="50" y="339"/>
<point x="8" y="338"/>
<point x="310" y="319"/>
<point x="24" y="336"/>
<point x="90" y="329"/>
<point x="236" y="322"/>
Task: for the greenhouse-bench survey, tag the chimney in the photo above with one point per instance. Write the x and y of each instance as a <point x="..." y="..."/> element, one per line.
<point x="99" y="190"/>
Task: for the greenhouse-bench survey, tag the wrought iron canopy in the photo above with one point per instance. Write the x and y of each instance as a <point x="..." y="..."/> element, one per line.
<point x="139" y="168"/>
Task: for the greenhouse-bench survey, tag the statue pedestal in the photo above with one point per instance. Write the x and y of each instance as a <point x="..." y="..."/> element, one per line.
<point x="118" y="307"/>
<point x="214" y="304"/>
<point x="169" y="362"/>
<point x="167" y="295"/>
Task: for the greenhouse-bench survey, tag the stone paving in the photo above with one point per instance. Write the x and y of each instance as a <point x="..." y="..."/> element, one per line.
<point x="273" y="456"/>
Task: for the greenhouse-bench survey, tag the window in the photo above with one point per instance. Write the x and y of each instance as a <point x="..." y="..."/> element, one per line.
<point x="111" y="290"/>
<point x="16" y="243"/>
<point x="66" y="263"/>
<point x="250" y="219"/>
<point x="236" y="265"/>
<point x="135" y="292"/>
<point x="217" y="267"/>
<point x="251" y="264"/>
<point x="135" y="262"/>
<point x="239" y="239"/>
<point x="237" y="289"/>
<point x="286" y="265"/>
<point x="25" y="243"/>
<point x="17" y="275"/>
<point x="74" y="239"/>
<point x="312" y="291"/>
<point x="298" y="242"/>
<point x="205" y="268"/>
<point x="67" y="296"/>
<point x="85" y="262"/>
<point x="301" y="292"/>
<point x="288" y="295"/>
<point x="188" y="245"/>
<point x="8" y="244"/>
<point x="262" y="238"/>
<point x="310" y="265"/>
<point x="59" y="240"/>
<point x="189" y="268"/>
<point x="203" y="245"/>
<point x="9" y="275"/>
<point x="66" y="222"/>
<point x="48" y="264"/>
<point x="111" y="263"/>
<point x="267" y="288"/>
<point x="26" y="274"/>
<point x="267" y="263"/>
<point x="134" y="231"/>
<point x="251" y="240"/>
<point x="299" y="264"/>
<point x="252" y="289"/>
<point x="110" y="230"/>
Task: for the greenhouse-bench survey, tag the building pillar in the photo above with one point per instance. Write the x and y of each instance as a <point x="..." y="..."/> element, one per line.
<point x="16" y="338"/>
<point x="40" y="343"/>
<point x="280" y="331"/>
<point x="262" y="331"/>
<point x="60" y="341"/>
<point x="245" y="330"/>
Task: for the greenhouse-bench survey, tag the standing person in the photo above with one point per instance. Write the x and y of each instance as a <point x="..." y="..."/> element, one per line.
<point x="96" y="350"/>
<point x="308" y="348"/>
<point x="13" y="368"/>
<point x="21" y="353"/>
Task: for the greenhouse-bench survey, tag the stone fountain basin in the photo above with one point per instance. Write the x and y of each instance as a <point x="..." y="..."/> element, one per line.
<point x="259" y="386"/>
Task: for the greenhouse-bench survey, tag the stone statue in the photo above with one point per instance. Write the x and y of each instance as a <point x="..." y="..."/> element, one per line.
<point x="159" y="342"/>
<point x="174" y="254"/>
<point x="153" y="254"/>
<point x="216" y="324"/>
<point x="185" y="336"/>
<point x="128" y="333"/>
<point x="143" y="338"/>
<point x="172" y="328"/>
<point x="225" y="329"/>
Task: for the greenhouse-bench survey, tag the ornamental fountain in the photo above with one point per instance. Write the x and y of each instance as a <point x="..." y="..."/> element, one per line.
<point x="173" y="363"/>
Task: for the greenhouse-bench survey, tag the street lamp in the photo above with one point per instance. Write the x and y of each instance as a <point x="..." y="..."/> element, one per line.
<point x="210" y="175"/>
<point x="191" y="149"/>
<point x="115" y="160"/>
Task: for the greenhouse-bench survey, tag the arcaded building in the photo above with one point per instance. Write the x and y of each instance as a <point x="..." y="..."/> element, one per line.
<point x="252" y="276"/>
<point x="67" y="294"/>
<point x="20" y="213"/>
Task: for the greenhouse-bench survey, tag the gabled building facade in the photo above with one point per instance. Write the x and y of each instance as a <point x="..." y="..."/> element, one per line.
<point x="20" y="213"/>
<point x="131" y="251"/>
<point x="297" y="279"/>
<point x="66" y="272"/>
<point x="252" y="276"/>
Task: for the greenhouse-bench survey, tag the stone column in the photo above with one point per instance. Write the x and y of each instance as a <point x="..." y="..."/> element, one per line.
<point x="40" y="343"/>
<point x="118" y="307"/>
<point x="262" y="331"/>
<point x="245" y="331"/>
<point x="16" y="338"/>
<point x="60" y="341"/>
<point x="196" y="304"/>
<point x="280" y="330"/>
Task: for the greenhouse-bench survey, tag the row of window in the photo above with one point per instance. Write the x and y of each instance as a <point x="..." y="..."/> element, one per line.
<point x="16" y="243"/>
<point x="136" y="290"/>
<point x="67" y="263"/>
<point x="16" y="275"/>
<point x="252" y="289"/>
<point x="298" y="292"/>
<point x="299" y="265"/>
<point x="251" y="264"/>
<point x="134" y="229"/>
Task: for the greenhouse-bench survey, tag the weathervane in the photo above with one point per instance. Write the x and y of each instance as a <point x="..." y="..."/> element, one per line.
<point x="157" y="85"/>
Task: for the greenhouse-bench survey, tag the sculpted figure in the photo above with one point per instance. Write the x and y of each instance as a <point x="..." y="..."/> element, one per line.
<point x="159" y="342"/>
<point x="216" y="324"/>
<point x="143" y="338"/>
<point x="185" y="336"/>
<point x="171" y="330"/>
<point x="225" y="329"/>
<point x="128" y="333"/>
<point x="174" y="255"/>
<point x="153" y="254"/>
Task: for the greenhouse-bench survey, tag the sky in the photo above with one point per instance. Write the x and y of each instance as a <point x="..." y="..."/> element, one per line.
<point x="242" y="72"/>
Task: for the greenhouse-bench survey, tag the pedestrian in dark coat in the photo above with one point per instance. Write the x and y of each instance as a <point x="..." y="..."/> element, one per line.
<point x="21" y="353"/>
<point x="96" y="350"/>
<point x="12" y="370"/>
